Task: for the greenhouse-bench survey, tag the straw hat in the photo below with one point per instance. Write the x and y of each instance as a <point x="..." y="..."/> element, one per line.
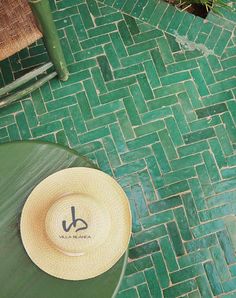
<point x="76" y="224"/>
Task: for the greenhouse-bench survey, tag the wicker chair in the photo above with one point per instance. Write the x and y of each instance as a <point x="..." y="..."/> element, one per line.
<point x="23" y="22"/>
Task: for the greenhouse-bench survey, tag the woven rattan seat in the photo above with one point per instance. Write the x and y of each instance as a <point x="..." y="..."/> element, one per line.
<point x="17" y="27"/>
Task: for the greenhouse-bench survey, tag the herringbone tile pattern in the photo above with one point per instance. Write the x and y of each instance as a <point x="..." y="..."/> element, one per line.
<point x="162" y="121"/>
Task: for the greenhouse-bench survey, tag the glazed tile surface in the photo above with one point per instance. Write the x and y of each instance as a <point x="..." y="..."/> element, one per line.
<point x="151" y="100"/>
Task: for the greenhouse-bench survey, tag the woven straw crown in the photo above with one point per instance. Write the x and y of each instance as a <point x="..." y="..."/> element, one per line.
<point x="76" y="224"/>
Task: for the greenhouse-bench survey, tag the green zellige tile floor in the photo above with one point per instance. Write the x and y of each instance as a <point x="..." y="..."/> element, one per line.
<point x="150" y="99"/>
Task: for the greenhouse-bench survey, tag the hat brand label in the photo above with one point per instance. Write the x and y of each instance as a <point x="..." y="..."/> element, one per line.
<point x="73" y="224"/>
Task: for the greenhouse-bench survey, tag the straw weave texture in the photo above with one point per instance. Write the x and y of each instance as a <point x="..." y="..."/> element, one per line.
<point x="17" y="27"/>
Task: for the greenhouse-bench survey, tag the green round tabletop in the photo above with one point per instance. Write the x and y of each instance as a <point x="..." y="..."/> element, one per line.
<point x="22" y="166"/>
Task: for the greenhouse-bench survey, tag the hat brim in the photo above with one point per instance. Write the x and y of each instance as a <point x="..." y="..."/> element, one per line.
<point x="75" y="180"/>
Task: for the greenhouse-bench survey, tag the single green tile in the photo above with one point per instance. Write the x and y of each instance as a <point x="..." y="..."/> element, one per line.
<point x="192" y="148"/>
<point x="213" y="278"/>
<point x="195" y="257"/>
<point x="125" y="33"/>
<point x="98" y="80"/>
<point x="199" y="135"/>
<point x="199" y="81"/>
<point x="167" y="144"/>
<point x="229" y="126"/>
<point x="229" y="286"/>
<point x="142" y="250"/>
<point x="125" y="125"/>
<point x="144" y="291"/>
<point x="186" y="162"/>
<point x="128" y="71"/>
<point x="151" y="74"/>
<point x="22" y="125"/>
<point x="100" y="121"/>
<point x="135" y="60"/>
<point x="13" y="133"/>
<point x="132" y="25"/>
<point x="153" y="284"/>
<point x="147" y="186"/>
<point x="147" y="35"/>
<point x="175" y="78"/>
<point x="149" y="128"/>
<point x="168" y="254"/>
<point x="120" y="83"/>
<point x="211" y="110"/>
<point x="89" y="53"/>
<point x="142" y="141"/>
<point x="204" y="287"/>
<point x="77" y="119"/>
<point x="156" y="114"/>
<point x="150" y="234"/>
<point x="54" y="115"/>
<point x="142" y="47"/>
<point x="105" y="68"/>
<point x="112" y="56"/>
<point x="132" y="280"/>
<point x="165" y="50"/>
<point x="190" y="210"/>
<point x="175" y="238"/>
<point x="173" y="189"/>
<point x="161" y="270"/>
<point x="154" y="171"/>
<point x="102" y="30"/>
<point x="110" y="18"/>
<point x="118" y="137"/>
<point x="158" y="62"/>
<point x="145" y="87"/>
<point x="130" y="293"/>
<point x="161" y="157"/>
<point x="95" y="41"/>
<point x="223" y="139"/>
<point x="130" y="168"/>
<point x="162" y="102"/>
<point x="114" y="95"/>
<point x="193" y="94"/>
<point x="220" y="263"/>
<point x="84" y="105"/>
<point x="205" y="242"/>
<point x="226" y="246"/>
<point x="217" y="98"/>
<point x="91" y="92"/>
<point x="85" y="15"/>
<point x="165" y="205"/>
<point x="208" y="228"/>
<point x="187" y="273"/>
<point x="180" y="289"/>
<point x="118" y="44"/>
<point x="204" y="180"/>
<point x="136" y="154"/>
<point x="182" y="224"/>
<point x="132" y="111"/>
<point x="93" y="135"/>
<point x="157" y="219"/>
<point x="46" y="128"/>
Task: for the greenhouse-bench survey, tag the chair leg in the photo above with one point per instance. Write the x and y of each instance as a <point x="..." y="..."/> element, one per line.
<point x="42" y="13"/>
